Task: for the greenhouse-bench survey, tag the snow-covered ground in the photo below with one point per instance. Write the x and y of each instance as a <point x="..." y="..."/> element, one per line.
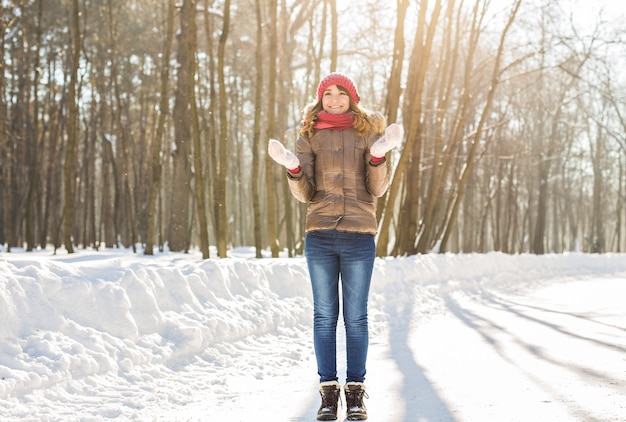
<point x="112" y="335"/>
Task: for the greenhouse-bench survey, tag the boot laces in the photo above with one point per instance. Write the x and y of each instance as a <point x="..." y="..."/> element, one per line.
<point x="354" y="397"/>
<point x="330" y="397"/>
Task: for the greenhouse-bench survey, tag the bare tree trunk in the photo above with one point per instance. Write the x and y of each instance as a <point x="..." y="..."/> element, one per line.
<point x="256" y="138"/>
<point x="110" y="208"/>
<point x="333" y="34"/>
<point x="34" y="140"/>
<point x="179" y="209"/>
<point x="197" y="145"/>
<point x="50" y="171"/>
<point x="72" y="131"/>
<point x="210" y="128"/>
<point x="272" y="226"/>
<point x="90" y="173"/>
<point x="619" y="209"/>
<point x="4" y="186"/>
<point x="155" y="154"/>
<point x="597" y="235"/>
<point x="220" y="198"/>
<point x="499" y="207"/>
<point x="394" y="91"/>
<point x="284" y="79"/>
<point x="320" y="43"/>
<point x="16" y="158"/>
<point x="125" y="157"/>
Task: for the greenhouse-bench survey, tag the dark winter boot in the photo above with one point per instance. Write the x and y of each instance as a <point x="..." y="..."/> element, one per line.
<point x="355" y="393"/>
<point x="329" y="391"/>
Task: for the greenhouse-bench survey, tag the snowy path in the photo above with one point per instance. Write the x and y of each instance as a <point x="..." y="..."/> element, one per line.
<point x="111" y="335"/>
<point x="552" y="354"/>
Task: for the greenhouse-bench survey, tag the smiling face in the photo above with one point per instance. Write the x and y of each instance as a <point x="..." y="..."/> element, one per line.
<point x="335" y="100"/>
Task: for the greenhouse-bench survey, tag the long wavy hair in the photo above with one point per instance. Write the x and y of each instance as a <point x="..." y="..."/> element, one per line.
<point x="365" y="121"/>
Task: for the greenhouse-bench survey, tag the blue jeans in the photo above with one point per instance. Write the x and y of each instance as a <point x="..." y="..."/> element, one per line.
<point x="330" y="254"/>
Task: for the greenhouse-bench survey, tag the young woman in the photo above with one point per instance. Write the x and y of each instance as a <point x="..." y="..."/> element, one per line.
<point x="339" y="169"/>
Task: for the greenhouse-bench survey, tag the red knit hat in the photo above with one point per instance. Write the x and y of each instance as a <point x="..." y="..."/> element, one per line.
<point x="340" y="79"/>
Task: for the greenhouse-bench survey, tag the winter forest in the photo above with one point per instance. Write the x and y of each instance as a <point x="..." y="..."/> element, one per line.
<point x="146" y="122"/>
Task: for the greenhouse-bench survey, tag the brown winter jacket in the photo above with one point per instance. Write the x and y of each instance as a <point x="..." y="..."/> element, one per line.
<point x="338" y="181"/>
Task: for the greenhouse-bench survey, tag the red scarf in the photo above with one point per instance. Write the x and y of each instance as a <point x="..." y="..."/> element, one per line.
<point x="334" y="121"/>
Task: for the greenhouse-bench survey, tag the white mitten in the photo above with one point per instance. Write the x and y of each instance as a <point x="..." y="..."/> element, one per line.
<point x="277" y="151"/>
<point x="392" y="137"/>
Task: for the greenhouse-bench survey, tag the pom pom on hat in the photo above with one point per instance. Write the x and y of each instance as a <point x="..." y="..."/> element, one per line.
<point x="340" y="79"/>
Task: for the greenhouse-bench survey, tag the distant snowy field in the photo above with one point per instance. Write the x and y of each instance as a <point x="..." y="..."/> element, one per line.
<point x="115" y="335"/>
